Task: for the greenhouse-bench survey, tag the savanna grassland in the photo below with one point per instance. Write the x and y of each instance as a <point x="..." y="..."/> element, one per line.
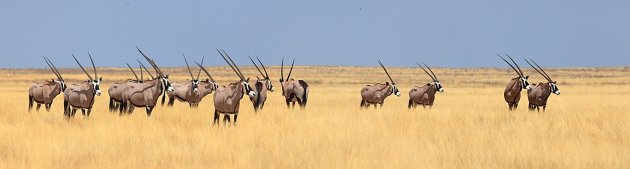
<point x="587" y="126"/>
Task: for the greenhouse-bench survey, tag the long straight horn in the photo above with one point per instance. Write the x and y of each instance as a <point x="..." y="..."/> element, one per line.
<point x="199" y="72"/>
<point x="263" y="66"/>
<point x="239" y="70"/>
<point x="390" y="77"/>
<point x="282" y="69"/>
<point x="206" y="71"/>
<point x="519" y="68"/>
<point x="189" y="71"/>
<point x="436" y="79"/>
<point x="51" y="68"/>
<point x="75" y="59"/>
<point x="157" y="70"/>
<point x="134" y="73"/>
<point x="145" y="68"/>
<point x="537" y="70"/>
<point x="541" y="69"/>
<point x="230" y="64"/>
<point x="56" y="70"/>
<point x="513" y="68"/>
<point x="291" y="70"/>
<point x="94" y="67"/>
<point x="141" y="73"/>
<point x="261" y="73"/>
<point x="425" y="71"/>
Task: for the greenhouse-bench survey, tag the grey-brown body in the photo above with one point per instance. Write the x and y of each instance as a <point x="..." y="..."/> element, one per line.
<point x="425" y="95"/>
<point x="184" y="92"/>
<point x="44" y="93"/>
<point x="261" y="86"/>
<point x="422" y="95"/>
<point x="512" y="92"/>
<point x="227" y="98"/>
<point x="377" y="93"/>
<point x="293" y="90"/>
<point x="81" y="96"/>
<point x="537" y="95"/>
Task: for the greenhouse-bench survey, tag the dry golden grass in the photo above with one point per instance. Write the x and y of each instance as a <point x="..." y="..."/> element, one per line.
<point x="469" y="126"/>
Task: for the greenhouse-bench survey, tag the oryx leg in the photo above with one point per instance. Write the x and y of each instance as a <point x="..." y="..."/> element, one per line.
<point x="83" y="112"/>
<point x="38" y="106"/>
<point x="149" y="111"/>
<point x="30" y="103"/>
<point x="226" y="118"/>
<point x="74" y="111"/>
<point x="544" y="107"/>
<point x="89" y="111"/>
<point x="216" y="117"/>
<point x="235" y="117"/>
<point x="171" y="101"/>
<point x="48" y="106"/>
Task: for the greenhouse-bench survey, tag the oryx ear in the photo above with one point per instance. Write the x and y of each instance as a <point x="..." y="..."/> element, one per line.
<point x="247" y="80"/>
<point x="166" y="76"/>
<point x="100" y="79"/>
<point x="387" y="83"/>
<point x="526" y="77"/>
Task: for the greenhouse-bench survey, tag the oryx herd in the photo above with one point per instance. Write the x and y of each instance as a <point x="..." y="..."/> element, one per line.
<point x="145" y="92"/>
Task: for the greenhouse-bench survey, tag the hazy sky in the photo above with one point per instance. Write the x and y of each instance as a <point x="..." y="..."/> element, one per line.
<point x="444" y="33"/>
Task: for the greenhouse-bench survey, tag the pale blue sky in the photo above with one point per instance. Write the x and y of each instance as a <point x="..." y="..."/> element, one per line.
<point x="443" y="33"/>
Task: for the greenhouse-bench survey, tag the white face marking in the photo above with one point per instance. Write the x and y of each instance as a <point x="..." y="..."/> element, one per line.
<point x="97" y="84"/>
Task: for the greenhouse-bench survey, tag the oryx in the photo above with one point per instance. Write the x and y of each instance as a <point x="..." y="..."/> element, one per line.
<point x="425" y="95"/>
<point x="115" y="91"/>
<point x="227" y="98"/>
<point x="81" y="96"/>
<point x="45" y="93"/>
<point x="261" y="86"/>
<point x="512" y="92"/>
<point x="293" y="90"/>
<point x="538" y="94"/>
<point x="376" y="94"/>
<point x="192" y="92"/>
<point x="145" y="94"/>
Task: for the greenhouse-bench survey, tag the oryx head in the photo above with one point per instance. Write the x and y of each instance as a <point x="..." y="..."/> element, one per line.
<point x="245" y="82"/>
<point x="553" y="86"/>
<point x="519" y="72"/>
<point x="436" y="82"/>
<point x="166" y="83"/>
<point x="215" y="86"/>
<point x="393" y="84"/>
<point x="194" y="81"/>
<point x="265" y="75"/>
<point x="96" y="81"/>
<point x="59" y="80"/>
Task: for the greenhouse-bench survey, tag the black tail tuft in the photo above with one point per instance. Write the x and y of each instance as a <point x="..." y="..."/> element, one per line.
<point x="305" y="96"/>
<point x="30" y="103"/>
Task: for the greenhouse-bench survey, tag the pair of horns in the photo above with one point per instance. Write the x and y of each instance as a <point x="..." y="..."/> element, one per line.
<point x="93" y="66"/>
<point x="152" y="62"/>
<point x="189" y="71"/>
<point x="141" y="72"/>
<point x="205" y="71"/>
<point x="53" y="68"/>
<point x="282" y="69"/>
<point x="390" y="77"/>
<point x="145" y="68"/>
<point x="518" y="71"/>
<point x="235" y="68"/>
<point x="265" y="75"/>
<point x="432" y="75"/>
<point x="539" y="70"/>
